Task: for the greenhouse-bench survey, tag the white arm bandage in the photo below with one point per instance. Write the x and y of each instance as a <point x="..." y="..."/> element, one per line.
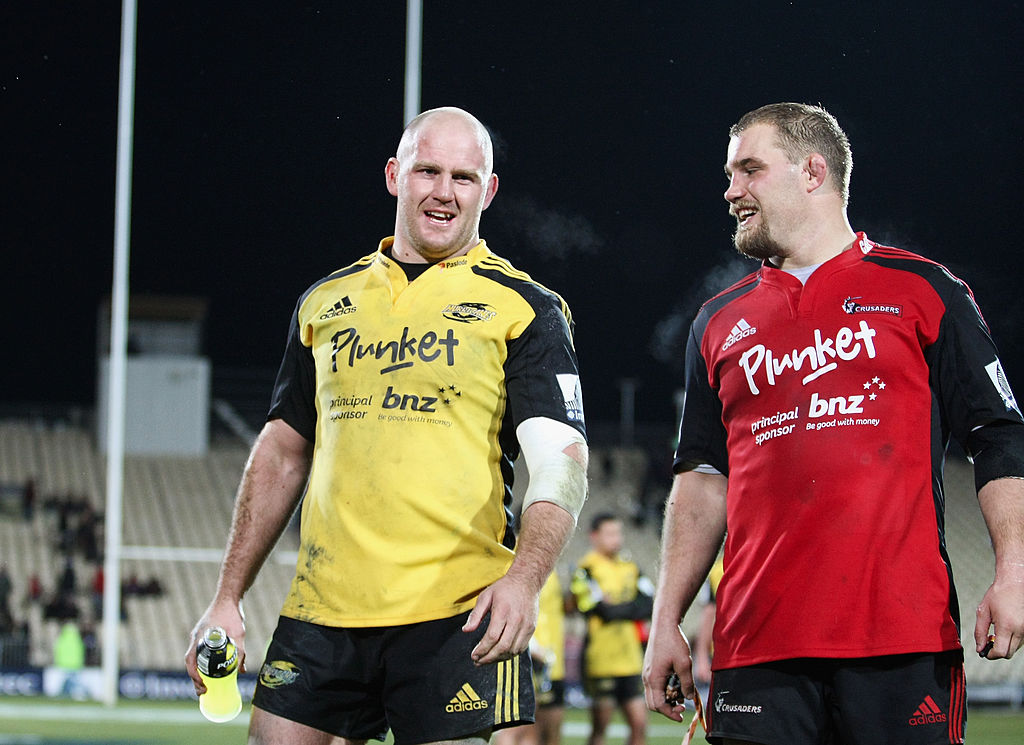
<point x="554" y="476"/>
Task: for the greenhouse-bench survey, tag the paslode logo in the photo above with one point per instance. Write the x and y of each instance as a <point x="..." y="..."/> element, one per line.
<point x="927" y="713"/>
<point x="465" y="700"/>
<point x="741" y="330"/>
<point x="278" y="673"/>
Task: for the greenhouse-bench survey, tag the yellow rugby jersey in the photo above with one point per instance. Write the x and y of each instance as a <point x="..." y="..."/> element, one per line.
<point x="550" y="632"/>
<point x="715" y="577"/>
<point x="411" y="392"/>
<point x="613" y="648"/>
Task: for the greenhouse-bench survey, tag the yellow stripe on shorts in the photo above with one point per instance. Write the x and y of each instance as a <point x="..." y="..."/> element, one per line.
<point x="506" y="707"/>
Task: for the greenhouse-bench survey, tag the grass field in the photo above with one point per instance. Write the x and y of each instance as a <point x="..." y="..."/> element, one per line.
<point x="49" y="722"/>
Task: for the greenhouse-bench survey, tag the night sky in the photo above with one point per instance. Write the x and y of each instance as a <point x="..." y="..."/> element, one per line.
<point x="262" y="130"/>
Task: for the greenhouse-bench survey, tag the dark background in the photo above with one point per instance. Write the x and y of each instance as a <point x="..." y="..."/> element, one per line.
<point x="262" y="129"/>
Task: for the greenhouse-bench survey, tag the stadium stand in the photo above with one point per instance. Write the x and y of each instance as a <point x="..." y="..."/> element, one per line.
<point x="177" y="511"/>
<point x="175" y="517"/>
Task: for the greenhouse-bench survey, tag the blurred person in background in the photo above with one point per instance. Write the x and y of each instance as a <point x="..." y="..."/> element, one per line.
<point x="703" y="647"/>
<point x="69" y="659"/>
<point x="611" y="592"/>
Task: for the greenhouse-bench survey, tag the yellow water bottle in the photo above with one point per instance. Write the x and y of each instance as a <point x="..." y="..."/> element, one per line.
<point x="217" y="660"/>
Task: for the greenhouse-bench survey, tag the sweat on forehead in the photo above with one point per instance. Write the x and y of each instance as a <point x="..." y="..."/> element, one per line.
<point x="438" y="116"/>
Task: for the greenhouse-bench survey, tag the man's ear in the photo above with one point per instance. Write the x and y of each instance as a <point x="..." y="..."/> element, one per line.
<point x="491" y="190"/>
<point x="816" y="170"/>
<point x="391" y="176"/>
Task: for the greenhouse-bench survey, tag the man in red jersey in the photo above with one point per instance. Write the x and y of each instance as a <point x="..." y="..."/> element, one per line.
<point x="822" y="391"/>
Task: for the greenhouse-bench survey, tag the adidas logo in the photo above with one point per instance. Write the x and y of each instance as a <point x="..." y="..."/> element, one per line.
<point x="340" y="308"/>
<point x="465" y="700"/>
<point x="741" y="330"/>
<point x="927" y="713"/>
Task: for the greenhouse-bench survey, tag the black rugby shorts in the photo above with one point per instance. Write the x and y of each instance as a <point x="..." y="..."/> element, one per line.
<point x="621" y="688"/>
<point x="911" y="699"/>
<point x="418" y="680"/>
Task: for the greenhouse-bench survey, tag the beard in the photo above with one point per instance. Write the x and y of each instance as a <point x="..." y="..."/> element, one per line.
<point x="757" y="243"/>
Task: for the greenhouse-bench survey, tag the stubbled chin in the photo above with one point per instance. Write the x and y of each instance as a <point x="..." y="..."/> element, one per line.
<point x="436" y="247"/>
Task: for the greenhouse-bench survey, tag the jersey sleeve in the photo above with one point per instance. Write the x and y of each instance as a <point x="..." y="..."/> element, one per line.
<point x="975" y="397"/>
<point x="294" y="396"/>
<point x="541" y="372"/>
<point x="702" y="436"/>
<point x="585" y="590"/>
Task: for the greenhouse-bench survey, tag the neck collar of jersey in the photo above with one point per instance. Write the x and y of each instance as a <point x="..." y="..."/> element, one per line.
<point x="862" y="246"/>
<point x="474" y="256"/>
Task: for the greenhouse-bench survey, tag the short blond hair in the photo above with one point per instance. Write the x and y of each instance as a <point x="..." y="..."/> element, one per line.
<point x="803" y="129"/>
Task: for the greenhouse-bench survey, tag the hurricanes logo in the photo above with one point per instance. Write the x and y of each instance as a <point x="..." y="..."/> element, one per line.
<point x="468" y="312"/>
<point x="278" y="673"/>
<point x="465" y="700"/>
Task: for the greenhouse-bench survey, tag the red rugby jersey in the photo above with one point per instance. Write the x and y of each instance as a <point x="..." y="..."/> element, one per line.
<point x="829" y="407"/>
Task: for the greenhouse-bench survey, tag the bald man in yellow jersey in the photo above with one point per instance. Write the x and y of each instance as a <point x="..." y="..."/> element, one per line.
<point x="411" y="381"/>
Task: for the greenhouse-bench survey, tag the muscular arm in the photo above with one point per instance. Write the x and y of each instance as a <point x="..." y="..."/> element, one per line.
<point x="693" y="532"/>
<point x="512" y="600"/>
<point x="272" y="483"/>
<point x="1002" y="504"/>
